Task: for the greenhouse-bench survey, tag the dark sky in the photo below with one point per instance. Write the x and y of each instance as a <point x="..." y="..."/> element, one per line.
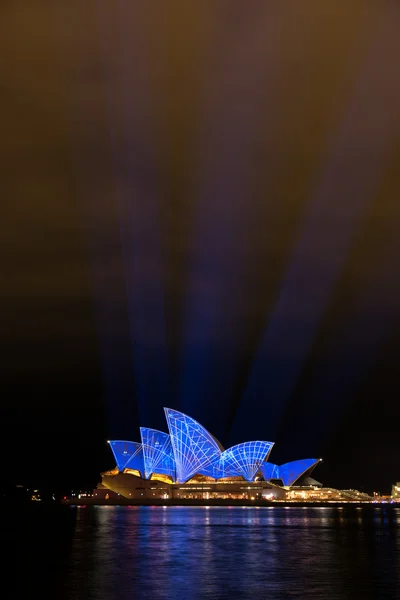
<point x="201" y="210"/>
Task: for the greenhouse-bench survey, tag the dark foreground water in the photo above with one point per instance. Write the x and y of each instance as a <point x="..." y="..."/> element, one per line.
<point x="192" y="553"/>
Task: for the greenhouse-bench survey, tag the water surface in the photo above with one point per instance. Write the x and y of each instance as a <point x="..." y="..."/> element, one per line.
<point x="160" y="553"/>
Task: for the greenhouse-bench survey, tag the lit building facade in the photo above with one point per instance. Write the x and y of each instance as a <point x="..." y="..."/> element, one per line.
<point x="396" y="491"/>
<point x="189" y="462"/>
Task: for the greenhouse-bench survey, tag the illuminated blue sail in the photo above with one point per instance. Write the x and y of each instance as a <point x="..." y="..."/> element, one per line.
<point x="193" y="446"/>
<point x="269" y="471"/>
<point x="136" y="460"/>
<point x="244" y="459"/>
<point x="128" y="455"/>
<point x="290" y="472"/>
<point x="157" y="452"/>
<point x="191" y="450"/>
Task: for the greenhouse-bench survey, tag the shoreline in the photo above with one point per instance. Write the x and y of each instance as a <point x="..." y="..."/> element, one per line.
<point x="224" y="503"/>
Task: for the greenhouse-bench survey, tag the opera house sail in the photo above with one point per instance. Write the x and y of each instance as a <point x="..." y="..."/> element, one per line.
<point x="193" y="446"/>
<point x="189" y="462"/>
<point x="157" y="453"/>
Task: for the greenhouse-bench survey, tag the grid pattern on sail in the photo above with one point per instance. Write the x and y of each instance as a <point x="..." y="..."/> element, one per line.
<point x="136" y="462"/>
<point x="292" y="471"/>
<point x="213" y="469"/>
<point x="269" y="471"/>
<point x="125" y="451"/>
<point x="193" y="446"/>
<point x="244" y="459"/>
<point x="157" y="452"/>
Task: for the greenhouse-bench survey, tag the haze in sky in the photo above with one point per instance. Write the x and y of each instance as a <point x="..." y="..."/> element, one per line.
<point x="200" y="210"/>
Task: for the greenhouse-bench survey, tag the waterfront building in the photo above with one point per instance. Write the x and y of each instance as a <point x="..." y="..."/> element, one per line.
<point x="396" y="491"/>
<point x="188" y="462"/>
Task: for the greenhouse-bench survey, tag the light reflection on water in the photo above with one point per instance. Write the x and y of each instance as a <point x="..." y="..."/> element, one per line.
<point x="163" y="553"/>
<point x="198" y="552"/>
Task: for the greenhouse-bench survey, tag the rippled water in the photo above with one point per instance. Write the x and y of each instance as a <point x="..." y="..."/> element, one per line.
<point x="196" y="552"/>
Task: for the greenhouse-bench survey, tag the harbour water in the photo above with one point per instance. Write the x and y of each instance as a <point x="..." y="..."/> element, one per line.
<point x="162" y="553"/>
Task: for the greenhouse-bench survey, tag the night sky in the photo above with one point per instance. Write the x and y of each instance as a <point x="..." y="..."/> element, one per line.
<point x="200" y="210"/>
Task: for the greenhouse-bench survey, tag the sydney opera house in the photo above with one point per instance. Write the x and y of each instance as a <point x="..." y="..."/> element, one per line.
<point x="189" y="462"/>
